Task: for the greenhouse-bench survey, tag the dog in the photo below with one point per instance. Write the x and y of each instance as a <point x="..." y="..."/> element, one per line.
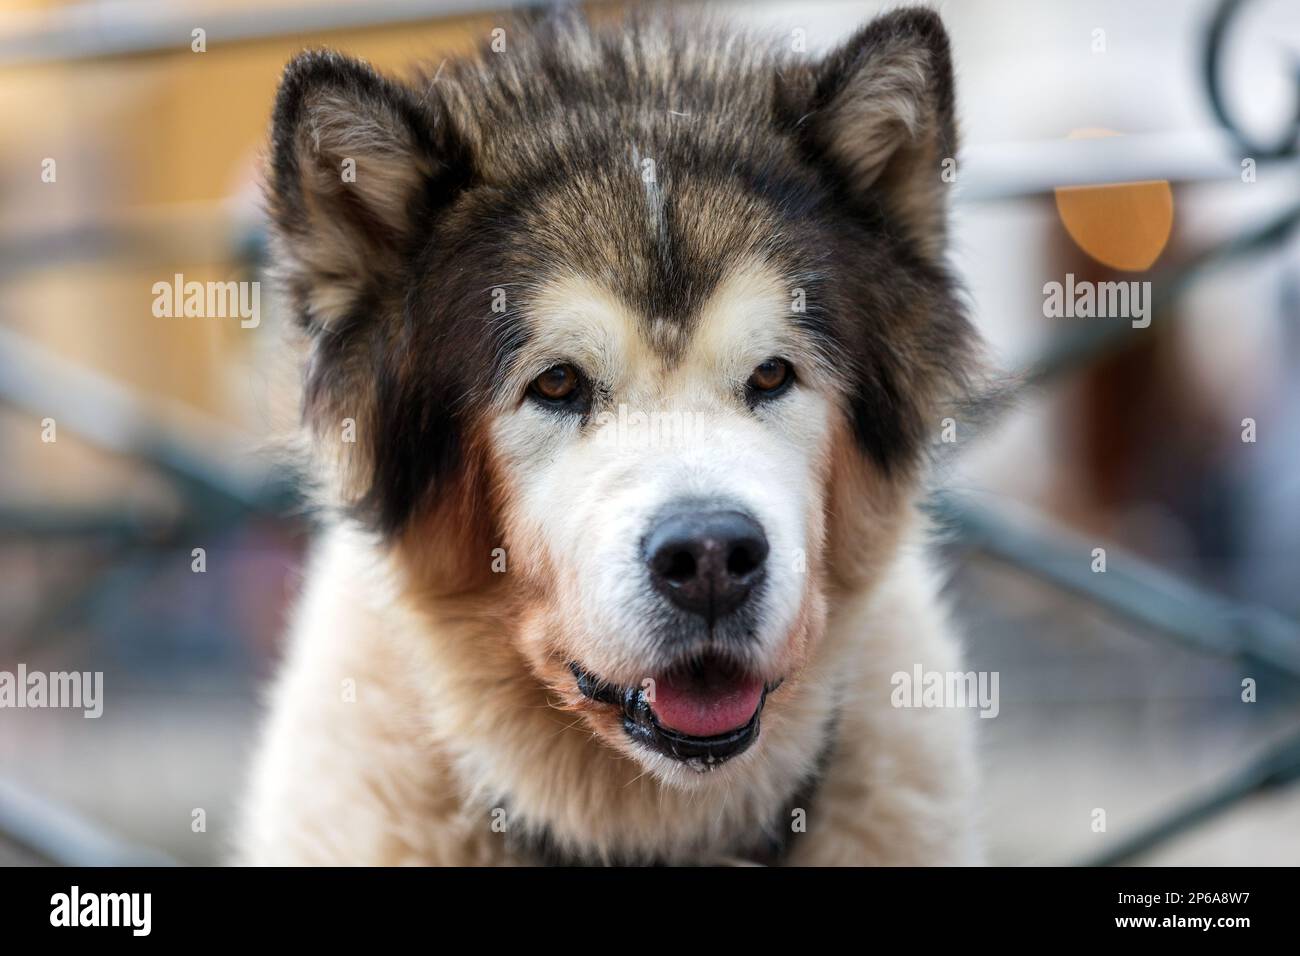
<point x="626" y="348"/>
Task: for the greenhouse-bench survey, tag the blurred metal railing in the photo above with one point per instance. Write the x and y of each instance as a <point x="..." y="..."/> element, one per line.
<point x="93" y="31"/>
<point x="54" y="834"/>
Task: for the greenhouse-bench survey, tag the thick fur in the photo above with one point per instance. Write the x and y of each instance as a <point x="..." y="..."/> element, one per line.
<point x="664" y="205"/>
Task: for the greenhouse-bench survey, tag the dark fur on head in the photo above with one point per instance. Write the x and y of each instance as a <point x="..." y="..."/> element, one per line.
<point x="510" y="166"/>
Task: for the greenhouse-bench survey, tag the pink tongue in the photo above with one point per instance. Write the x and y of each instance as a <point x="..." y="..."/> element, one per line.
<point x="706" y="711"/>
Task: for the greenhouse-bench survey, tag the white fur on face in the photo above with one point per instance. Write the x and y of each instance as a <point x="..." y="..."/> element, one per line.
<point x="582" y="497"/>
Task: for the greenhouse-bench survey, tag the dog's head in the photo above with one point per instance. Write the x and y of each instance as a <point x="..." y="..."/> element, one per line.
<point x="641" y="333"/>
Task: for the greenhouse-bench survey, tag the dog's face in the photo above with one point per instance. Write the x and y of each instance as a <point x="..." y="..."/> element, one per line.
<point x="643" y="334"/>
<point x="664" y="489"/>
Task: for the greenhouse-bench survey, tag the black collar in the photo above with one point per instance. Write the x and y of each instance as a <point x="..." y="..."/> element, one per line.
<point x="770" y="847"/>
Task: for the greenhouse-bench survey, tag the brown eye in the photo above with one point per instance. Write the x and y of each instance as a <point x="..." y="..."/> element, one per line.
<point x="770" y="377"/>
<point x="557" y="384"/>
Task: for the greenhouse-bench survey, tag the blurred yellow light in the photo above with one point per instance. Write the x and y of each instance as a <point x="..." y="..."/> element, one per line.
<point x="1122" y="225"/>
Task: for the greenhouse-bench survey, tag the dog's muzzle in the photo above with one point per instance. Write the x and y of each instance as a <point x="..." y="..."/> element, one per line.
<point x="702" y="714"/>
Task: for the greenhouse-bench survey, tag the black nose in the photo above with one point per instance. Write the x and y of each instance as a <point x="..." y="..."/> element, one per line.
<point x="706" y="562"/>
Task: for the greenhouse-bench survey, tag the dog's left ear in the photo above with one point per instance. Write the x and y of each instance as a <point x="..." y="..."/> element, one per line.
<point x="359" y="165"/>
<point x="879" y="112"/>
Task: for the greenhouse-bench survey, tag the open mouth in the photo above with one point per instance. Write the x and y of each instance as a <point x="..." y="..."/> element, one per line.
<point x="702" y="713"/>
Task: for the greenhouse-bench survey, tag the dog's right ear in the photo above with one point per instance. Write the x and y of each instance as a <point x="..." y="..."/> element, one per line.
<point x="877" y="113"/>
<point x="358" y="165"/>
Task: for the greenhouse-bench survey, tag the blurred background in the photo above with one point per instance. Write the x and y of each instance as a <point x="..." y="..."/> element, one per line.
<point x="1111" y="141"/>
